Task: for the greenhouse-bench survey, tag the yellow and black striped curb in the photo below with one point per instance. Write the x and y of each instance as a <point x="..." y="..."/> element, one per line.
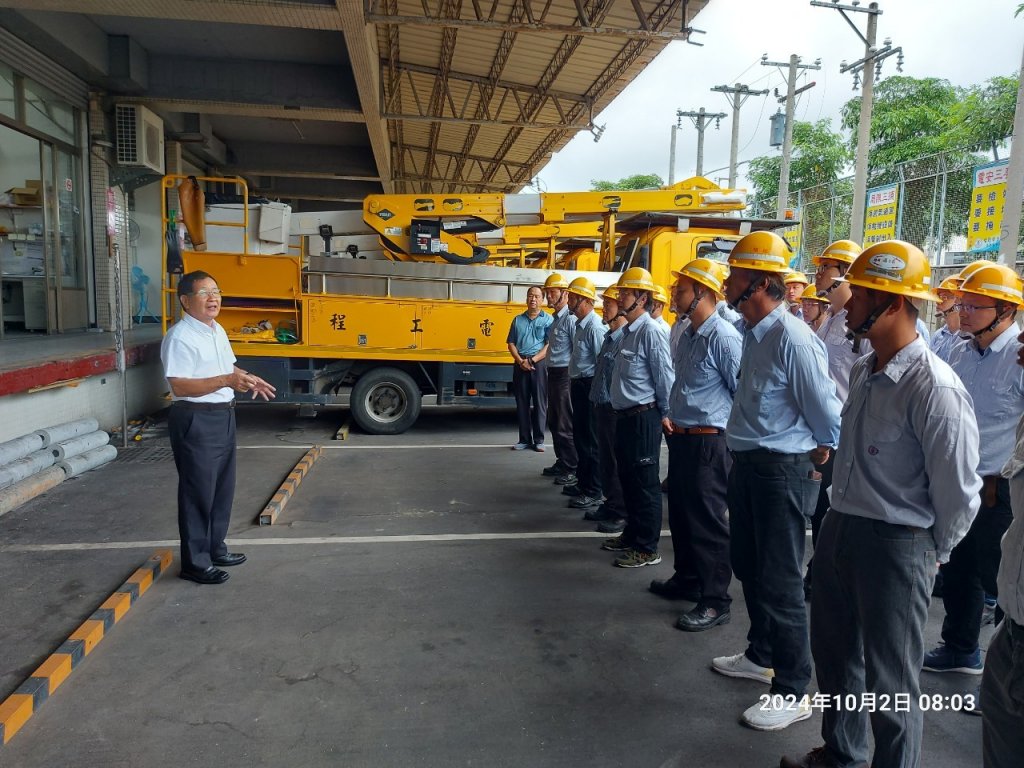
<point x="17" y="708"/>
<point x="291" y="484"/>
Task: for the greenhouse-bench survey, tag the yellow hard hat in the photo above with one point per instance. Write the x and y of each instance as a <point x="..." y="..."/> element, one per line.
<point x="966" y="271"/>
<point x="841" y="250"/>
<point x="637" y="279"/>
<point x="796" y="277"/>
<point x="582" y="286"/>
<point x="660" y="294"/>
<point x="811" y="294"/>
<point x="951" y="284"/>
<point x="611" y="292"/>
<point x="555" y="280"/>
<point x="997" y="281"/>
<point x="763" y="251"/>
<point x="710" y="274"/>
<point x="893" y="266"/>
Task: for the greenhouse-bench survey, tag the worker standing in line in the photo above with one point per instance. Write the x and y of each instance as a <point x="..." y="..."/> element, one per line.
<point x="201" y="371"/>
<point x="814" y="307"/>
<point x="527" y="343"/>
<point x="784" y="420"/>
<point x="586" y="344"/>
<point x="796" y="283"/>
<point x="842" y="348"/>
<point x="706" y="363"/>
<point x="641" y="383"/>
<point x="904" y="492"/>
<point x="559" y="402"/>
<point x="660" y="300"/>
<point x="988" y="301"/>
<point x="1002" y="700"/>
<point x="610" y="516"/>
<point x="948" y="335"/>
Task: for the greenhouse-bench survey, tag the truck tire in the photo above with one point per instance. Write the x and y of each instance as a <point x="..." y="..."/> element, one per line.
<point x="385" y="401"/>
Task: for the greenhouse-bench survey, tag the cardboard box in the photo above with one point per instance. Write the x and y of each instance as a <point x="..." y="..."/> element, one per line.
<point x="30" y="194"/>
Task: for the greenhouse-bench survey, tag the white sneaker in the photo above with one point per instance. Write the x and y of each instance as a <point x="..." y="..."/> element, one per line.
<point x="775" y="713"/>
<point x="740" y="666"/>
<point x="520" y="446"/>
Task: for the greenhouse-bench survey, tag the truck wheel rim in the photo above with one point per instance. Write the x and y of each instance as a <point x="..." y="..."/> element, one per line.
<point x="386" y="403"/>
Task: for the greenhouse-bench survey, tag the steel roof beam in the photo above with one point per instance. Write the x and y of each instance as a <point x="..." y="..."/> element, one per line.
<point x="560" y="30"/>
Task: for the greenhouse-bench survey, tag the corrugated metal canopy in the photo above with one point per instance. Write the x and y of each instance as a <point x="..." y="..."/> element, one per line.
<point x="324" y="101"/>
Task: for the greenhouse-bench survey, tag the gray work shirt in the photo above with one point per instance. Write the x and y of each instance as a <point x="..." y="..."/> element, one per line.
<point x="601" y="386"/>
<point x="944" y="341"/>
<point x="1011" y="567"/>
<point x="996" y="384"/>
<point x="839" y="349"/>
<point x="560" y="338"/>
<point x="785" y="400"/>
<point x="908" y="451"/>
<point x="643" y="368"/>
<point x="586" y="344"/>
<point x="706" y="362"/>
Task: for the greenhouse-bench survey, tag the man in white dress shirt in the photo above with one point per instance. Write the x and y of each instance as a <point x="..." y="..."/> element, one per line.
<point x="200" y="368"/>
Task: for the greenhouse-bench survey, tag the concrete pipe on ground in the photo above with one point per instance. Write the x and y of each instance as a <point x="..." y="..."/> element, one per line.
<point x="22" y="468"/>
<point x="67" y="430"/>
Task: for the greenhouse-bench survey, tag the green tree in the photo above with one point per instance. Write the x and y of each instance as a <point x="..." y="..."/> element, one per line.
<point x="984" y="118"/>
<point x="819" y="157"/>
<point x="636" y="181"/>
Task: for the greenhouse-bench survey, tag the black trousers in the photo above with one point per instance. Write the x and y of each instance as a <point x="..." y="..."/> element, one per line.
<point x="972" y="568"/>
<point x="530" y="390"/>
<point x="822" y="506"/>
<point x="698" y="474"/>
<point x="584" y="436"/>
<point x="560" y="417"/>
<point x="606" y="422"/>
<point x="638" y="453"/>
<point x="203" y="443"/>
<point x="771" y="497"/>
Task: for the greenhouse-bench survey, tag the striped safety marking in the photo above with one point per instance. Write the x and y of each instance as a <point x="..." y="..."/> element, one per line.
<point x="17" y="708"/>
<point x="291" y="484"/>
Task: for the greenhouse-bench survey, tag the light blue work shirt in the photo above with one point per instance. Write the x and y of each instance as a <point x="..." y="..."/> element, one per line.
<point x="560" y="338"/>
<point x="730" y="315"/>
<point x="944" y="341"/>
<point x="923" y="330"/>
<point x="529" y="334"/>
<point x="785" y="401"/>
<point x="586" y="344"/>
<point x="909" y="447"/>
<point x="643" y="367"/>
<point x="996" y="384"/>
<point x="663" y="324"/>
<point x="601" y="386"/>
<point x="706" y="362"/>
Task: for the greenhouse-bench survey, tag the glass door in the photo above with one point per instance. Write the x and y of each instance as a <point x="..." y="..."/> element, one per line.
<point x="68" y="243"/>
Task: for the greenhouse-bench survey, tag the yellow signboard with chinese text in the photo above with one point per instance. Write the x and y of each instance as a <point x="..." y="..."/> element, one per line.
<point x="793" y="234"/>
<point x="987" y="198"/>
<point x="881" y="214"/>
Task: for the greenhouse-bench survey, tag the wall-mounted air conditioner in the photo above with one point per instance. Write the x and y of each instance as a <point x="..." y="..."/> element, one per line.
<point x="140" y="137"/>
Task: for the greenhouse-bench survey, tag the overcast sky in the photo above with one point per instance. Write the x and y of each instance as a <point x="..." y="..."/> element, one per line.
<point x="965" y="43"/>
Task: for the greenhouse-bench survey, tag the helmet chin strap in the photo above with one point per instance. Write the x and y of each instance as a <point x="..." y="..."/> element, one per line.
<point x="693" y="304"/>
<point x="856" y="334"/>
<point x="625" y="312"/>
<point x="942" y="314"/>
<point x="987" y="329"/>
<point x="749" y="291"/>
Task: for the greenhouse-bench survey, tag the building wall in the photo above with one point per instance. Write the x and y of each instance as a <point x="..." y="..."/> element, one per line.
<point x="96" y="396"/>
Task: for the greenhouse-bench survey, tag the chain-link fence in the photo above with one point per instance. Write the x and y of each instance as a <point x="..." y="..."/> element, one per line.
<point x="934" y="200"/>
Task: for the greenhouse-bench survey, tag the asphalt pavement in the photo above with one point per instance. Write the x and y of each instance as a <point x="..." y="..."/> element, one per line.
<point x="423" y="600"/>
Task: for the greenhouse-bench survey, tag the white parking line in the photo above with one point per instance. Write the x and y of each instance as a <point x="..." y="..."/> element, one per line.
<point x="428" y="446"/>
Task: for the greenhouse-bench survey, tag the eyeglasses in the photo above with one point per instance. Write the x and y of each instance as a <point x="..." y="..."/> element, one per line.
<point x="972" y="308"/>
<point x="202" y="293"/>
<point x="822" y="268"/>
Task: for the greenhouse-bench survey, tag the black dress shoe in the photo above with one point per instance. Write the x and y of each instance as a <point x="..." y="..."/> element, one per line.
<point x="701" y="618"/>
<point x="210" y="575"/>
<point x="229" y="559"/>
<point x="571" y="490"/>
<point x="554" y="470"/>
<point x="615" y="525"/>
<point x="671" y="589"/>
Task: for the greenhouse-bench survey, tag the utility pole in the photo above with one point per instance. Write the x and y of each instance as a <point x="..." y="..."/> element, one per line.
<point x="787" y="141"/>
<point x="1008" y="238"/>
<point x="672" y="151"/>
<point x="872" y="60"/>
<point x="737" y="95"/>
<point x="701" y="118"/>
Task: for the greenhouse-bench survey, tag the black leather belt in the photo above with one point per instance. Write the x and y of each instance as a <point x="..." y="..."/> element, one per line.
<point x="627" y="412"/>
<point x="189" y="405"/>
<point x="697" y="431"/>
<point x="764" y="456"/>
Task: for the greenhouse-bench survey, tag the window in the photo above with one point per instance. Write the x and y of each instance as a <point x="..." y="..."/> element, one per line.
<point x="7" y="103"/>
<point x="46" y="113"/>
